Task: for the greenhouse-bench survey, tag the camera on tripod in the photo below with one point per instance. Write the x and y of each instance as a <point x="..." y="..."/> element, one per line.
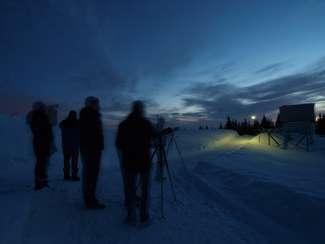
<point x="161" y="134"/>
<point x="164" y="138"/>
<point x="165" y="132"/>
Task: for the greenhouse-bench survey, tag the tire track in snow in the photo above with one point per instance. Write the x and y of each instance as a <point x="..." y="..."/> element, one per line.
<point x="230" y="200"/>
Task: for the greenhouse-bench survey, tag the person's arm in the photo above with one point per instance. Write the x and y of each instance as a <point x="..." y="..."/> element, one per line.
<point x="78" y="135"/>
<point x="48" y="128"/>
<point x="118" y="140"/>
<point x="153" y="130"/>
<point x="101" y="134"/>
<point x="118" y="143"/>
<point x="91" y="131"/>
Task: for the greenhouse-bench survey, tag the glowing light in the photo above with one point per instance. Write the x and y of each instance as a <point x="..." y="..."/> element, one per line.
<point x="231" y="140"/>
<point x="253" y="117"/>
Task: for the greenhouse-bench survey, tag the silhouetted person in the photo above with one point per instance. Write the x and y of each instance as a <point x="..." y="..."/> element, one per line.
<point x="133" y="142"/>
<point x="42" y="142"/>
<point x="70" y="146"/>
<point x="91" y="146"/>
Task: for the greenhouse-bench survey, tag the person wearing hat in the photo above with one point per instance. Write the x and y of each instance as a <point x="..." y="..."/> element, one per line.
<point x="41" y="128"/>
<point x="133" y="142"/>
<point x="91" y="147"/>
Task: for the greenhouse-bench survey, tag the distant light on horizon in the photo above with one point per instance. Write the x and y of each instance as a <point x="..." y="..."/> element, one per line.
<point x="253" y="117"/>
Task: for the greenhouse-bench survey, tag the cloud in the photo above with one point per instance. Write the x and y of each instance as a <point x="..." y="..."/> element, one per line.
<point x="65" y="51"/>
<point x="275" y="67"/>
<point x="56" y="52"/>
<point x="220" y="100"/>
<point x="218" y="70"/>
<point x="119" y="107"/>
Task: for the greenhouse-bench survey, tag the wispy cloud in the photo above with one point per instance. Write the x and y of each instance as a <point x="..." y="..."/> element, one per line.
<point x="219" y="100"/>
<point x="275" y="67"/>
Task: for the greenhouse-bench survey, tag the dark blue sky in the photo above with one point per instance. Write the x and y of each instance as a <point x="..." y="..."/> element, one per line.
<point x="185" y="58"/>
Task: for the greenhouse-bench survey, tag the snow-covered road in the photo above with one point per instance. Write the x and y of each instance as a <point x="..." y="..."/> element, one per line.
<point x="57" y="215"/>
<point x="226" y="193"/>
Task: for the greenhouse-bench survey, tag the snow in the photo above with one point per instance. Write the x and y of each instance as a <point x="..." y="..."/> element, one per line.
<point x="230" y="189"/>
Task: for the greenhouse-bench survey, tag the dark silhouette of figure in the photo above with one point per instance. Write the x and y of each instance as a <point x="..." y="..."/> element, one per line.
<point x="133" y="143"/>
<point x="70" y="146"/>
<point x="91" y="146"/>
<point x="42" y="142"/>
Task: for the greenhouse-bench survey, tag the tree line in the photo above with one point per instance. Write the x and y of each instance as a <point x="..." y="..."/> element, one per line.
<point x="247" y="127"/>
<point x="254" y="127"/>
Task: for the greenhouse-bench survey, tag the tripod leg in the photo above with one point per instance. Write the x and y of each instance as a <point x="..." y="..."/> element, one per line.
<point x="153" y="155"/>
<point x="162" y="192"/>
<point x="169" y="175"/>
<point x="159" y="170"/>
<point x="179" y="152"/>
<point x="169" y="143"/>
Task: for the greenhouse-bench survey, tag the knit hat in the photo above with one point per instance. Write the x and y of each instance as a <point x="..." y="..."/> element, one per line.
<point x="90" y="101"/>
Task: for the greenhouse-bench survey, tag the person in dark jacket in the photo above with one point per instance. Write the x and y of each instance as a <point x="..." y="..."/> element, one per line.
<point x="91" y="147"/>
<point x="133" y="143"/>
<point x="70" y="145"/>
<point x="42" y="142"/>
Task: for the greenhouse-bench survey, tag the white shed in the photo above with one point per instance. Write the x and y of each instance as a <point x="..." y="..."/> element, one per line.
<point x="298" y="119"/>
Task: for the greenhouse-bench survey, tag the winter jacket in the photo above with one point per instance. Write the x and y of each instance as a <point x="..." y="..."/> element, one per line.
<point x="91" y="130"/>
<point x="133" y="142"/>
<point x="42" y="132"/>
<point x="70" y="134"/>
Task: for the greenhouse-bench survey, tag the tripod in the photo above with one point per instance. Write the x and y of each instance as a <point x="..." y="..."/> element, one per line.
<point x="161" y="155"/>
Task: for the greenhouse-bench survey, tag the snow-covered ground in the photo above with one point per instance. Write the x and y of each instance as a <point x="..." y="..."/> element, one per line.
<point x="229" y="189"/>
